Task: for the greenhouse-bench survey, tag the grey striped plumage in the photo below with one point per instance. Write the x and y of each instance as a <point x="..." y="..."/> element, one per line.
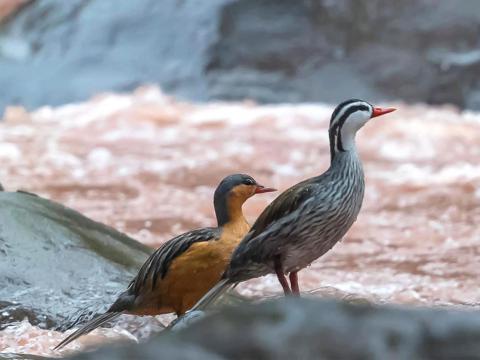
<point x="309" y="218"/>
<point x="314" y="227"/>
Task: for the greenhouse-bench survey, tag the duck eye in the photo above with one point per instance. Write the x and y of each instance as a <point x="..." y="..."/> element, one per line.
<point x="248" y="182"/>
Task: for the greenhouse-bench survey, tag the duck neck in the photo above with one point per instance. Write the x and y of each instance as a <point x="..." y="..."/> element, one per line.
<point x="341" y="141"/>
<point x="229" y="211"/>
<point x="346" y="166"/>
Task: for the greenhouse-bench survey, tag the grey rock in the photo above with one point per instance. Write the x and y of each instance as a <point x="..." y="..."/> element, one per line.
<point x="11" y="356"/>
<point x="473" y="100"/>
<point x="55" y="262"/>
<point x="314" y="329"/>
<point x="173" y="350"/>
<point x="330" y="50"/>
<point x="12" y="312"/>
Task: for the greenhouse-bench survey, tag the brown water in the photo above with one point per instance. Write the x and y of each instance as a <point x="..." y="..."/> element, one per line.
<point x="147" y="165"/>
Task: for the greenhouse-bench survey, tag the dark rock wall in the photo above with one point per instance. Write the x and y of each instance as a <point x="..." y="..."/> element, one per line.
<point x="327" y="50"/>
<point x="54" y="52"/>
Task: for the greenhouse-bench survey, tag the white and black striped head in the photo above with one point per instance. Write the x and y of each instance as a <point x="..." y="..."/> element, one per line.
<point x="349" y="117"/>
<point x="232" y="192"/>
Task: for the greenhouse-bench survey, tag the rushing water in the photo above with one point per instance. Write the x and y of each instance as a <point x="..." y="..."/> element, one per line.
<point x="147" y="165"/>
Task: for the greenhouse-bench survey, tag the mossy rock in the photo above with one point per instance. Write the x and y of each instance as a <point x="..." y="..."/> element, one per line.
<point x="55" y="262"/>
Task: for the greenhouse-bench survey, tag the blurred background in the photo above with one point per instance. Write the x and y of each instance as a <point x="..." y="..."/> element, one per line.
<point x="55" y="52"/>
<point x="131" y="112"/>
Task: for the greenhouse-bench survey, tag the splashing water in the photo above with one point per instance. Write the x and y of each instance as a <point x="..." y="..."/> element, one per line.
<point x="147" y="165"/>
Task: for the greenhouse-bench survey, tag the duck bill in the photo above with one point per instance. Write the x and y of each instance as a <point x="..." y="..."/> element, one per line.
<point x="377" y="111"/>
<point x="262" y="189"/>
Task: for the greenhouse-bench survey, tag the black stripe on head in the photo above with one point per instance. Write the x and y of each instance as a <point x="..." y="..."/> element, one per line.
<point x="341" y="106"/>
<point x="336" y="127"/>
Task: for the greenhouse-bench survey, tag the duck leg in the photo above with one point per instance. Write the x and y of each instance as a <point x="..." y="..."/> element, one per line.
<point x="294" y="283"/>
<point x="281" y="276"/>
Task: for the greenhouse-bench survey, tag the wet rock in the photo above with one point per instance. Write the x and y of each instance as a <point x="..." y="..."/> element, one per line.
<point x="11" y="356"/>
<point x="307" y="329"/>
<point x="171" y="351"/>
<point x="12" y="312"/>
<point x="55" y="262"/>
<point x="269" y="50"/>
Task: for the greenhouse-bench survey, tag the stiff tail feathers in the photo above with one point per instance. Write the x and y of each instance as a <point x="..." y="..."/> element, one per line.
<point x="88" y="327"/>
<point x="213" y="294"/>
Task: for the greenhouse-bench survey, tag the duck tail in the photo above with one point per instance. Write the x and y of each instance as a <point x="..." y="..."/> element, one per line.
<point x="88" y="327"/>
<point x="213" y="294"/>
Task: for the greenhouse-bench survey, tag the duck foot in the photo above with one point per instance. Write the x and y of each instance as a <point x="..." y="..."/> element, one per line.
<point x="281" y="277"/>
<point x="294" y="283"/>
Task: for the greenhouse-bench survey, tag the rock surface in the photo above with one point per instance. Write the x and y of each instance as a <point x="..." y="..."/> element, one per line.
<point x="307" y="329"/>
<point x="55" y="263"/>
<point x="12" y="356"/>
<point x="55" y="52"/>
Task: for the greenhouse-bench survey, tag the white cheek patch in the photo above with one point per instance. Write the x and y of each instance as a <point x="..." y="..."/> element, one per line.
<point x="351" y="126"/>
<point x="355" y="122"/>
<point x="346" y="120"/>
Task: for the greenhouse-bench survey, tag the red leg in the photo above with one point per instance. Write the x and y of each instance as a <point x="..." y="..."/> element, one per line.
<point x="281" y="277"/>
<point x="294" y="283"/>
